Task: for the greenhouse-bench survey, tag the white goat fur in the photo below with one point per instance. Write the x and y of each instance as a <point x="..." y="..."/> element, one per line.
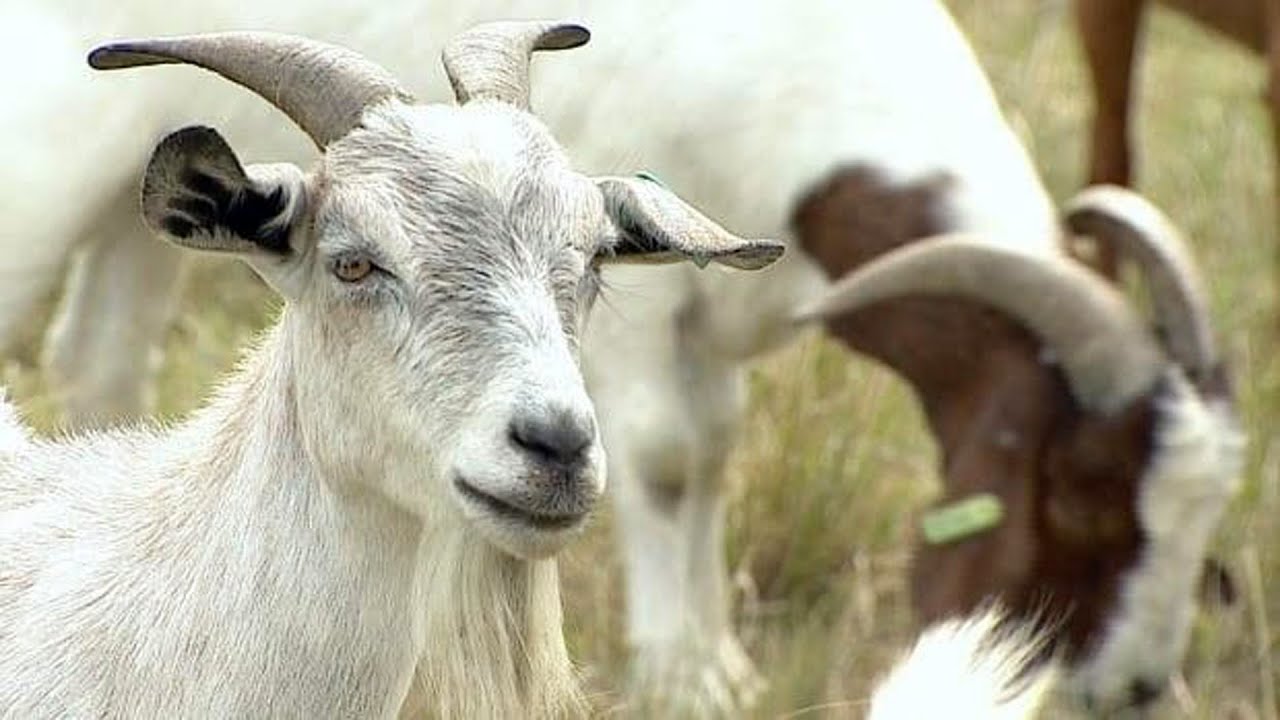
<point x="742" y="107"/>
<point x="370" y="590"/>
<point x="967" y="669"/>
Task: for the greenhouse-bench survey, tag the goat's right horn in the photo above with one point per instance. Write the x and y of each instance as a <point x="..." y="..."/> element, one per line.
<point x="492" y="60"/>
<point x="323" y="88"/>
<point x="1104" y="348"/>
<point x="1140" y="231"/>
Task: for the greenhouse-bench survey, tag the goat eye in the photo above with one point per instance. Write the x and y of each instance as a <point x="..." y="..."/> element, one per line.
<point x="352" y="269"/>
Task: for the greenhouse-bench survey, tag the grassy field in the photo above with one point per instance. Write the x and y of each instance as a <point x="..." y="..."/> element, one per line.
<point x="820" y="520"/>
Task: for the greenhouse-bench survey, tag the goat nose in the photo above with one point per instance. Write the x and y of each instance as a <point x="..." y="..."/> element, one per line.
<point x="559" y="437"/>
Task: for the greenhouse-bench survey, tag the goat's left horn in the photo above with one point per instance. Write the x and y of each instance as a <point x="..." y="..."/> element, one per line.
<point x="323" y="88"/>
<point x="1140" y="231"/>
<point x="1104" y="348"/>
<point x="492" y="60"/>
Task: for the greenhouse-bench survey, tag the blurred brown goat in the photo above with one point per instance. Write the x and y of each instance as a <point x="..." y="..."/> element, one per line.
<point x="1104" y="449"/>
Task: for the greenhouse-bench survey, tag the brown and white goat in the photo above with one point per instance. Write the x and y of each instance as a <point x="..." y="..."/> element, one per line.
<point x="1108" y="34"/>
<point x="1112" y="450"/>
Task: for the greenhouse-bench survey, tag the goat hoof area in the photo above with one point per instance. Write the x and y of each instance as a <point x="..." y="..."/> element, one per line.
<point x="688" y="680"/>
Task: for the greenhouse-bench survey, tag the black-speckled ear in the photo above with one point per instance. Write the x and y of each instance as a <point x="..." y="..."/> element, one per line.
<point x="196" y="194"/>
<point x="655" y="226"/>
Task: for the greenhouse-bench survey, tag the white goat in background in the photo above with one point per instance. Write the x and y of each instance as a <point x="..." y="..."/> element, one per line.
<point x="361" y="522"/>
<point x="751" y="108"/>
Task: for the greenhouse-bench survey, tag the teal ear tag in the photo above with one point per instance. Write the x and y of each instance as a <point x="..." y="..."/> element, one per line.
<point x="646" y="175"/>
<point x="962" y="519"/>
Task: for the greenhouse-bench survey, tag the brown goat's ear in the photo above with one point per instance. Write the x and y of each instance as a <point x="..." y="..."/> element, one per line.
<point x="196" y="194"/>
<point x="655" y="226"/>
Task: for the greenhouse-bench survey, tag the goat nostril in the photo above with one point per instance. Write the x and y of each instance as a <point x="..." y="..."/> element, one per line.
<point x="559" y="437"/>
<point x="1143" y="692"/>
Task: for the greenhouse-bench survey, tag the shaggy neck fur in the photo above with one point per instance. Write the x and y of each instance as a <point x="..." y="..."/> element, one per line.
<point x="219" y="572"/>
<point x="486" y="626"/>
<point x="493" y="646"/>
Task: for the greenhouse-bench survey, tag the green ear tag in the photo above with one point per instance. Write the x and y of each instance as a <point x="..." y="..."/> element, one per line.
<point x="646" y="175"/>
<point x="962" y="519"/>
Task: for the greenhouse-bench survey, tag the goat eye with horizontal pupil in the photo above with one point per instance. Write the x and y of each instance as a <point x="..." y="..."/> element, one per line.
<point x="352" y="269"/>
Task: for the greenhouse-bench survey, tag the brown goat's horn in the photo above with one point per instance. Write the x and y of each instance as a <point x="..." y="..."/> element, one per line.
<point x="323" y="88"/>
<point x="1140" y="231"/>
<point x="492" y="60"/>
<point x="1105" y="349"/>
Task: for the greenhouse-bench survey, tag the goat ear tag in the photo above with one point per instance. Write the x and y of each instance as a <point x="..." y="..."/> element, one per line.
<point x="962" y="519"/>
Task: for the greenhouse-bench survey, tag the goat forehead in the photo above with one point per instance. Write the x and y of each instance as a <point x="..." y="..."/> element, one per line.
<point x="481" y="178"/>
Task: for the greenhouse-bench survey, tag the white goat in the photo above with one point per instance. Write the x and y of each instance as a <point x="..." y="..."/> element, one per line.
<point x="753" y="108"/>
<point x="361" y="522"/>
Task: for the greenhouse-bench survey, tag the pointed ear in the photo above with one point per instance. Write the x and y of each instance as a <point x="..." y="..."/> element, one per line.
<point x="655" y="226"/>
<point x="196" y="194"/>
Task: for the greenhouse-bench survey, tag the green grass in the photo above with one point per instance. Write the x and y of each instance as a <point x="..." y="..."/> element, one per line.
<point x="834" y="461"/>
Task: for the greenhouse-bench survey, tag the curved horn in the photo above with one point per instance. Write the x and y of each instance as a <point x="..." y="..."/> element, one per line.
<point x="1141" y="232"/>
<point x="492" y="60"/>
<point x="323" y="88"/>
<point x="1105" y="350"/>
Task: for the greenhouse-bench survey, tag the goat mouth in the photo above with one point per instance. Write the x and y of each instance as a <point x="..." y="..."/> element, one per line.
<point x="507" y="511"/>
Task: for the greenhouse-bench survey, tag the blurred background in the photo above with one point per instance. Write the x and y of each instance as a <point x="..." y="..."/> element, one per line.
<point x="834" y="463"/>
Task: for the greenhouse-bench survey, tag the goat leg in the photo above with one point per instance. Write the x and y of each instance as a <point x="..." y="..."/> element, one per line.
<point x="1271" y="10"/>
<point x="1108" y="33"/>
